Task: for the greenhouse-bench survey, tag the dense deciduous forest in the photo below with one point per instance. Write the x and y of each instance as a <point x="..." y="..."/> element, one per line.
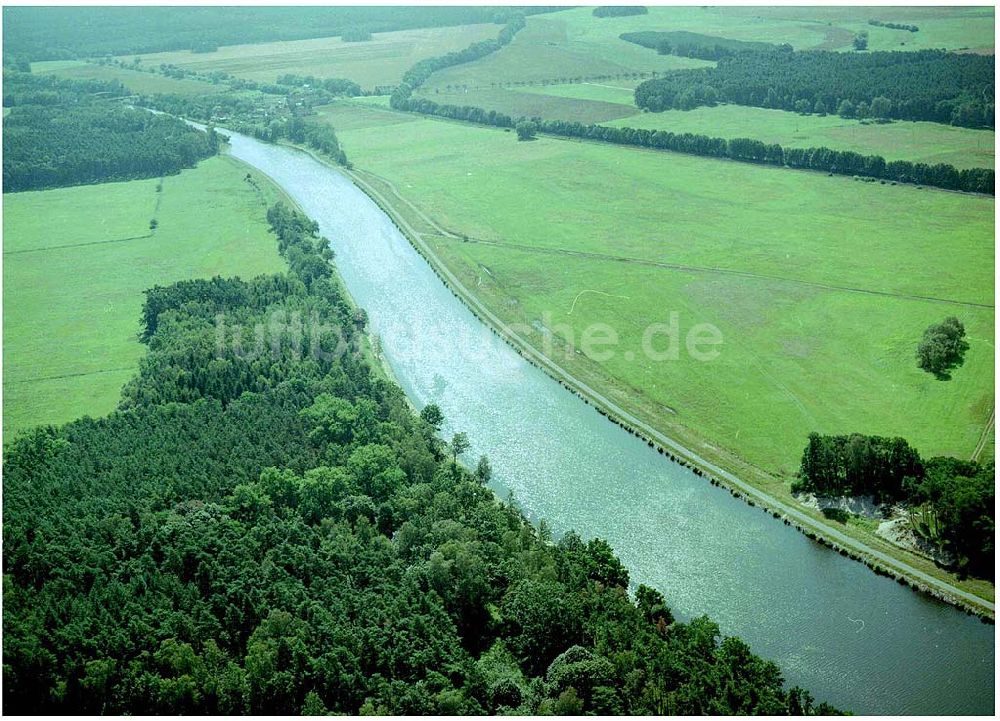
<point x="619" y="11"/>
<point x="22" y="88"/>
<point x="64" y="133"/>
<point x="265" y="526"/>
<point x="60" y="33"/>
<point x="694" y="45"/>
<point x="930" y="85"/>
<point x="334" y="86"/>
<point x="952" y="501"/>
<point x="318" y="136"/>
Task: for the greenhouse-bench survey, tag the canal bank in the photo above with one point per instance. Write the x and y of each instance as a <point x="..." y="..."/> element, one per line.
<point x="856" y="640"/>
<point x="880" y="562"/>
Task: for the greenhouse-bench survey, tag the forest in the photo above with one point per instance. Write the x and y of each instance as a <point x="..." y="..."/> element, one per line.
<point x="619" y="11"/>
<point x="63" y="33"/>
<point x="334" y="86"/>
<point x="265" y="526"/>
<point x="951" y="501"/>
<point x="64" y="132"/>
<point x="929" y="85"/>
<point x="318" y="136"/>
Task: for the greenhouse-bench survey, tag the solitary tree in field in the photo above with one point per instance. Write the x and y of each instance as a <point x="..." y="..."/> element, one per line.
<point x="942" y="348"/>
<point x="526" y="130"/>
<point x="845" y="109"/>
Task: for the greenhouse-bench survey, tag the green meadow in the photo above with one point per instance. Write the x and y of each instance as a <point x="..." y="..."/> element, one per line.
<point x="611" y="91"/>
<point x="821" y="286"/>
<point x="76" y="263"/>
<point x="805" y="28"/>
<point x="135" y="80"/>
<point x="380" y="61"/>
<point x="899" y="140"/>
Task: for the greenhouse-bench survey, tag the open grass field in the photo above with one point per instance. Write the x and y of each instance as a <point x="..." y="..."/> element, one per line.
<point x="820" y="286"/>
<point x="76" y="263"/>
<point x="135" y="80"/>
<point x="805" y="28"/>
<point x="901" y="140"/>
<point x="380" y="61"/>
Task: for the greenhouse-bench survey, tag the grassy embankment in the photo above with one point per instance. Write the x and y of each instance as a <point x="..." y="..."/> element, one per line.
<point x="813" y="281"/>
<point x="76" y="263"/>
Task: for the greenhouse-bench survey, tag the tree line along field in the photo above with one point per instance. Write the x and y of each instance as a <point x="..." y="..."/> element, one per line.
<point x="814" y="284"/>
<point x="610" y="102"/>
<point x="925" y="142"/>
<point x="379" y="61"/>
<point x="135" y="80"/>
<point x="76" y="263"/>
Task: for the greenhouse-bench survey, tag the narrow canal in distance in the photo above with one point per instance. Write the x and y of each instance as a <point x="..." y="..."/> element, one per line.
<point x="859" y="641"/>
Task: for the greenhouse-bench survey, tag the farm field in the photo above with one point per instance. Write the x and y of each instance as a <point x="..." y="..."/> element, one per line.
<point x="900" y="140"/>
<point x="621" y="92"/>
<point x="544" y="52"/>
<point x="805" y="28"/>
<point x="532" y="102"/>
<point x="76" y="263"/>
<point x="639" y="234"/>
<point x="595" y="101"/>
<point x="380" y="61"/>
<point x="135" y="80"/>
